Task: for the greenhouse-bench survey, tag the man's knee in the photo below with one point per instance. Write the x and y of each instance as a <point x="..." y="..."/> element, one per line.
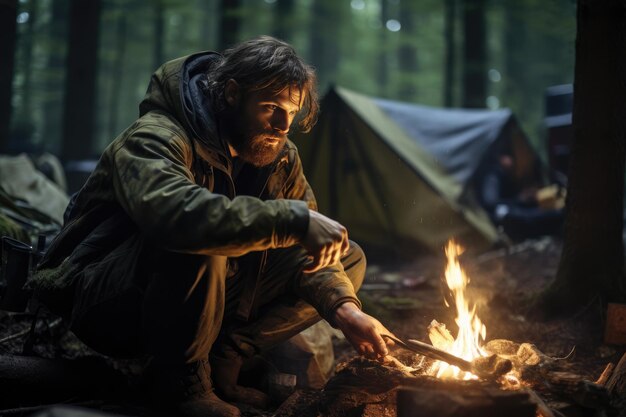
<point x="354" y="264"/>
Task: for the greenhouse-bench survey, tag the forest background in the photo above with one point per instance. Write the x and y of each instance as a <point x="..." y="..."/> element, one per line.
<point x="80" y="67"/>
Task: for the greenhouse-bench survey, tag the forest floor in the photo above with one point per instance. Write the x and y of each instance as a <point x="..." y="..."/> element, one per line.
<point x="407" y="298"/>
<point x="501" y="283"/>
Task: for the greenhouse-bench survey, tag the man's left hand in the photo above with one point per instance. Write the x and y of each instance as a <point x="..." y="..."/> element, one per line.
<point x="363" y="331"/>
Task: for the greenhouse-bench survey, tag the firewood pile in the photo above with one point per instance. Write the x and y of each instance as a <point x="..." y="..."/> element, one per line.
<point x="402" y="387"/>
<point x="553" y="384"/>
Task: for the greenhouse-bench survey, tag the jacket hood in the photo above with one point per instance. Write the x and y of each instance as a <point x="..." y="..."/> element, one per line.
<point x="177" y="88"/>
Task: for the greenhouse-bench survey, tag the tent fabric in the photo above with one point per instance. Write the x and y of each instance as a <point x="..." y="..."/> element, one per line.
<point x="20" y="179"/>
<point x="456" y="138"/>
<point x="398" y="175"/>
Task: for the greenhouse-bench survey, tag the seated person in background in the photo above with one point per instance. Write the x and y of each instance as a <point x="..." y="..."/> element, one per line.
<point x="520" y="211"/>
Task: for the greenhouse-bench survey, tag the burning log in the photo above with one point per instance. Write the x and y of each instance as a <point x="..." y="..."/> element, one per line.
<point x="366" y="388"/>
<point x="439" y="336"/>
<point x="585" y="393"/>
<point x="529" y="363"/>
<point x="490" y="368"/>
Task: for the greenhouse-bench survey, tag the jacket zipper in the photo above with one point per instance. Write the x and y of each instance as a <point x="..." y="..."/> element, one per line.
<point x="252" y="308"/>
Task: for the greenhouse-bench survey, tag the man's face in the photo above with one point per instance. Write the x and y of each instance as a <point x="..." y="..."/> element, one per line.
<point x="260" y="122"/>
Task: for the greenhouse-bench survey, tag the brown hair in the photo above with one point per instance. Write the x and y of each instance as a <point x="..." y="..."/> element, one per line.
<point x="267" y="63"/>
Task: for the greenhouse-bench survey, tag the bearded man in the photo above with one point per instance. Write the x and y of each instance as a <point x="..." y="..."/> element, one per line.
<point x="196" y="240"/>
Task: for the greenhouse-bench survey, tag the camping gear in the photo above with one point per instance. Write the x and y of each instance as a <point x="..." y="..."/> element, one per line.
<point x="14" y="270"/>
<point x="20" y="179"/>
<point x="559" y="105"/>
<point x="400" y="176"/>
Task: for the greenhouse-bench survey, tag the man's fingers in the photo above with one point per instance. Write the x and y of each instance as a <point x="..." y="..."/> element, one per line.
<point x="345" y="246"/>
<point x="389" y="341"/>
<point x="328" y="256"/>
<point x="313" y="266"/>
<point x="381" y="346"/>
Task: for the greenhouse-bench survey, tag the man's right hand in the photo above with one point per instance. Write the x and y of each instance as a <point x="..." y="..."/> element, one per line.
<point x="326" y="241"/>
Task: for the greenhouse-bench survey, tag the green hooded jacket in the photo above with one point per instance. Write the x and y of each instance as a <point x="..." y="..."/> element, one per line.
<point x="168" y="176"/>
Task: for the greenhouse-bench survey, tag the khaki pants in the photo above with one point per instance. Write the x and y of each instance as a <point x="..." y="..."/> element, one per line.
<point x="176" y="306"/>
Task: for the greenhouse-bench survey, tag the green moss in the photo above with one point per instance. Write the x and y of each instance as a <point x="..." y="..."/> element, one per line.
<point x="11" y="229"/>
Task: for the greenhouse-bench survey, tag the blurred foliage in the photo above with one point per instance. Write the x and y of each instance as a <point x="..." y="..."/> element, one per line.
<point x="530" y="45"/>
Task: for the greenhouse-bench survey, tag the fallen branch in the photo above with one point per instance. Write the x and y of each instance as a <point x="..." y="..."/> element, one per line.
<point x="25" y="332"/>
<point x="616" y="384"/>
<point x="15" y="336"/>
<point x="542" y="409"/>
<point x="606" y="374"/>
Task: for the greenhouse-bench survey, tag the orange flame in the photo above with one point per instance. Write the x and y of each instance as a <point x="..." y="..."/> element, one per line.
<point x="472" y="331"/>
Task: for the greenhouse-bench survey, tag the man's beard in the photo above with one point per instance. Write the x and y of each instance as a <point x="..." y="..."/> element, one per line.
<point x="256" y="148"/>
<point x="252" y="144"/>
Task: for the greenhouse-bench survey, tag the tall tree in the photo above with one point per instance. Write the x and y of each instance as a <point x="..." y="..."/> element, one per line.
<point x="80" y="91"/>
<point x="324" y="40"/>
<point x="383" y="59"/>
<point x="118" y="72"/>
<point x="56" y="37"/>
<point x="230" y="23"/>
<point x="474" y="54"/>
<point x="592" y="261"/>
<point x="159" y="33"/>
<point x="283" y="27"/>
<point x="27" y="50"/>
<point x="407" y="52"/>
<point x="449" y="32"/>
<point x="517" y="75"/>
<point x="208" y="9"/>
<point x="8" y="29"/>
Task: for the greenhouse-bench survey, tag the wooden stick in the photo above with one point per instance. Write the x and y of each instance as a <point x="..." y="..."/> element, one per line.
<point x="617" y="381"/>
<point x="542" y="409"/>
<point x="606" y="374"/>
<point x="25" y="331"/>
<point x="15" y="336"/>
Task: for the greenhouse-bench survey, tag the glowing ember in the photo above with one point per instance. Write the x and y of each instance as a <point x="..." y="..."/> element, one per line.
<point x="472" y="331"/>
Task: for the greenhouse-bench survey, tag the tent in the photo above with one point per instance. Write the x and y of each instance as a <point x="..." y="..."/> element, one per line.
<point x="399" y="176"/>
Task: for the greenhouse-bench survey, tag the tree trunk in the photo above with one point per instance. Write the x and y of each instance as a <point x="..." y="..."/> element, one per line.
<point x="159" y="33"/>
<point x="474" y="54"/>
<point x="80" y="91"/>
<point x="324" y="41"/>
<point x="208" y="9"/>
<point x="407" y="52"/>
<point x="230" y="23"/>
<point x="284" y="20"/>
<point x="592" y="261"/>
<point x="118" y="74"/>
<point x="516" y="54"/>
<point x="383" y="64"/>
<point x="55" y="76"/>
<point x="27" y="88"/>
<point x="8" y="29"/>
<point x="449" y="31"/>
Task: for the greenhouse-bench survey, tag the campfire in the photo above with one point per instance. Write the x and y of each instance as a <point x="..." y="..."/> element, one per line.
<point x="472" y="333"/>
<point x="533" y="384"/>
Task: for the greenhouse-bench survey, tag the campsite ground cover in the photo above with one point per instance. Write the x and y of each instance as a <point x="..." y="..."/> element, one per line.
<point x="501" y="284"/>
<point x="407" y="297"/>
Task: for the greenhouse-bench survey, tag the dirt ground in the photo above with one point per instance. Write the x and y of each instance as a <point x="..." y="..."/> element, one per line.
<point x="407" y="297"/>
